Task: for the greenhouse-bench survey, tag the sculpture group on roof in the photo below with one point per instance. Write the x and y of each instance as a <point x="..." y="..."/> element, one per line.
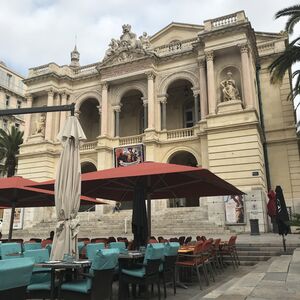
<point x="128" y="41"/>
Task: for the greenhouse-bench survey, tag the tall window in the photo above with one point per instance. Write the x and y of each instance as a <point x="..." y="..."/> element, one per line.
<point x="189" y="117"/>
<point x="5" y="124"/>
<point x="8" y="78"/>
<point x="19" y="104"/>
<point x="7" y="100"/>
<point x="17" y="125"/>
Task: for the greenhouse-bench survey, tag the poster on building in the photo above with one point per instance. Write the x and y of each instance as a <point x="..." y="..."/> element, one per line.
<point x="19" y="217"/>
<point x="128" y="155"/>
<point x="234" y="209"/>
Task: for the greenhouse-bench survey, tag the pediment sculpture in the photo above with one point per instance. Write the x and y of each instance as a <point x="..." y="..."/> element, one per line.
<point x="127" y="47"/>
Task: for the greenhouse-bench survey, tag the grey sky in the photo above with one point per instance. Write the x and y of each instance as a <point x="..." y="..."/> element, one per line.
<point x="36" y="32"/>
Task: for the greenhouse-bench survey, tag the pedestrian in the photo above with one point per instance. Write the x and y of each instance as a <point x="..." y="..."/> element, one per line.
<point x="117" y="207"/>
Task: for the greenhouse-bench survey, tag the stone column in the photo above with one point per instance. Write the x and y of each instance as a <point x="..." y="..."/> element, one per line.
<point x="211" y="82"/>
<point x="203" y="89"/>
<point x="49" y="118"/>
<point x="163" y="102"/>
<point x="145" y="105"/>
<point x="151" y="103"/>
<point x="246" y="75"/>
<point x="100" y="117"/>
<point x="196" y="106"/>
<point x="117" y="110"/>
<point x="63" y="114"/>
<point x="104" y="109"/>
<point x="57" y="116"/>
<point x="27" y="131"/>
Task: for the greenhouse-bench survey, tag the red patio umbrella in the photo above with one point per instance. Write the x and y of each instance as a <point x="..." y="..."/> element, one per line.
<point x="161" y="180"/>
<point x="15" y="193"/>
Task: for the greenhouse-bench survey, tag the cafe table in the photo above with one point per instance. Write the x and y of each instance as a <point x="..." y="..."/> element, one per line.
<point x="55" y="265"/>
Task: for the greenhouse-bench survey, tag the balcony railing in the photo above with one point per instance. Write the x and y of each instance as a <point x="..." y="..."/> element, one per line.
<point x="129" y="140"/>
<point x="180" y="133"/>
<point x="88" y="146"/>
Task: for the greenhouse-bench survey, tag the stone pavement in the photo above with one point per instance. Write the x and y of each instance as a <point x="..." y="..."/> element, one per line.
<point x="278" y="278"/>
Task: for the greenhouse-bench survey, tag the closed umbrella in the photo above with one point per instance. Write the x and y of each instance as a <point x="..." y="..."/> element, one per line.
<point x="282" y="217"/>
<point x="67" y="191"/>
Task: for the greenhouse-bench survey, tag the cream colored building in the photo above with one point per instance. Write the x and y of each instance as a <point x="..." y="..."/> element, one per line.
<point x="12" y="95"/>
<point x="191" y="94"/>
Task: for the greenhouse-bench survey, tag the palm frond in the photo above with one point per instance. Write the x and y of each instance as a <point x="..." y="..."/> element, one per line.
<point x="295" y="9"/>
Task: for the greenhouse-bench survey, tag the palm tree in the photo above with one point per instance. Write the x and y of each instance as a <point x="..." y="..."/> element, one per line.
<point x="9" y="149"/>
<point x="291" y="55"/>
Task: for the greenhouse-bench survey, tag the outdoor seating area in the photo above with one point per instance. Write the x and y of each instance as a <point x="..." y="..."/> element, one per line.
<point x="103" y="262"/>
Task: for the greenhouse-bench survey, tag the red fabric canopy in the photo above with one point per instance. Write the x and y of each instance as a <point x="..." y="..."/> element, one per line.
<point x="14" y="189"/>
<point x="162" y="180"/>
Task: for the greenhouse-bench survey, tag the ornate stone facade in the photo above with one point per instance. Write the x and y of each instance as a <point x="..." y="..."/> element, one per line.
<point x="164" y="91"/>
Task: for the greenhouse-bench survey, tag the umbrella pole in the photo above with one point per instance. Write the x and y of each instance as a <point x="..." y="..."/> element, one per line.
<point x="12" y="216"/>
<point x="149" y="214"/>
<point x="283" y="242"/>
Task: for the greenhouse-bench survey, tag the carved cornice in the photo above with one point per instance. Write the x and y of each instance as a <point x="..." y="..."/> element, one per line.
<point x="117" y="108"/>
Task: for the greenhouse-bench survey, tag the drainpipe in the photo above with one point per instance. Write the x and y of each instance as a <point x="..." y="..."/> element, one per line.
<point x="262" y="124"/>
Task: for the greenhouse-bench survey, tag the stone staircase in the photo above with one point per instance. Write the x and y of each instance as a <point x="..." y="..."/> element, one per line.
<point x="167" y="222"/>
<point x="252" y="253"/>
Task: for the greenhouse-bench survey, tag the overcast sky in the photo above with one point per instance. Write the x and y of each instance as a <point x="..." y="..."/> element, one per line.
<point x="36" y="32"/>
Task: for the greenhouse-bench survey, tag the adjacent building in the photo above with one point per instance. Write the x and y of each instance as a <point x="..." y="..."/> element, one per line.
<point x="197" y="95"/>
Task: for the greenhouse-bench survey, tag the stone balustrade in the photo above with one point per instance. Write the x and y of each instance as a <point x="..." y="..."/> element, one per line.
<point x="180" y="133"/>
<point x="88" y="146"/>
<point x="129" y="140"/>
<point x="228" y="20"/>
<point x="86" y="70"/>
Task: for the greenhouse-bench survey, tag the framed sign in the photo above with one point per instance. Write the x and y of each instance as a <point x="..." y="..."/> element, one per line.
<point x="19" y="217"/>
<point x="234" y="209"/>
<point x="129" y="155"/>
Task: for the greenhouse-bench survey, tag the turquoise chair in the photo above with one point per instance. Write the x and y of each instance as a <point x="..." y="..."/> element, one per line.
<point x="15" y="275"/>
<point x="32" y="246"/>
<point x="91" y="249"/>
<point x="40" y="283"/>
<point x="10" y="248"/>
<point x="80" y="246"/>
<point x="118" y="245"/>
<point x="98" y="282"/>
<point x="168" y="273"/>
<point x="147" y="274"/>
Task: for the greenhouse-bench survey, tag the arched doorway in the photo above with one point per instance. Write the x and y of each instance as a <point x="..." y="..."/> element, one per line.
<point x="131" y="114"/>
<point x="90" y="119"/>
<point x="180" y="107"/>
<point x="87" y="167"/>
<point x="184" y="158"/>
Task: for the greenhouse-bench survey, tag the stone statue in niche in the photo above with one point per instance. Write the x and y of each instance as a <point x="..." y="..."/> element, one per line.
<point x="229" y="88"/>
<point x="41" y="124"/>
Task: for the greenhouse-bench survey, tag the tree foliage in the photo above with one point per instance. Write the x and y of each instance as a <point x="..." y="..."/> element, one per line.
<point x="10" y="142"/>
<point x="291" y="55"/>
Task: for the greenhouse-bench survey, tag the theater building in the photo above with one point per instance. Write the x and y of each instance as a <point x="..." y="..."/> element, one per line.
<point x="197" y="95"/>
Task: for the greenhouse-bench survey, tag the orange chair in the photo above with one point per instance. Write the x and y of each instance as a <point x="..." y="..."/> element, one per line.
<point x="229" y="249"/>
<point x="192" y="261"/>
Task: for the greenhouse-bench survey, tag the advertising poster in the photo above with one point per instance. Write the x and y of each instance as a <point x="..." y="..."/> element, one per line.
<point x="234" y="209"/>
<point x="18" y="220"/>
<point x="128" y="155"/>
